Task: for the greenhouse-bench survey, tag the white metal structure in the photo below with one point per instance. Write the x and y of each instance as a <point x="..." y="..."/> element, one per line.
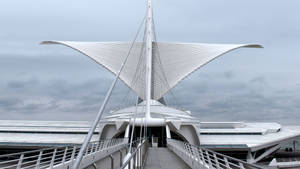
<point x="185" y="57"/>
<point x="149" y="41"/>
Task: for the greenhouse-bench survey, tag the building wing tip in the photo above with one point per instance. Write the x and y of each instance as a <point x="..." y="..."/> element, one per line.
<point x="49" y="42"/>
<point x="254" y="46"/>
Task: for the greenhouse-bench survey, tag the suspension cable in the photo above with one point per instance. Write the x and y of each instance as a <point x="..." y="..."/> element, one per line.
<point x="107" y="97"/>
<point x="161" y="66"/>
<point x="142" y="124"/>
<point x="133" y="125"/>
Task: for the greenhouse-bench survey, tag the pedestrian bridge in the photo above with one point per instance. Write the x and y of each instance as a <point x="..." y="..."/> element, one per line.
<point x="113" y="154"/>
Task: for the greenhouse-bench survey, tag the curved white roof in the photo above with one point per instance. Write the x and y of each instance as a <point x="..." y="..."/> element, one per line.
<point x="158" y="110"/>
<point x="172" y="62"/>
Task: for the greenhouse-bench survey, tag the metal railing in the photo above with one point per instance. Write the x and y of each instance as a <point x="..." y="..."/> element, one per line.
<point x="202" y="158"/>
<point x="137" y="158"/>
<point x="55" y="157"/>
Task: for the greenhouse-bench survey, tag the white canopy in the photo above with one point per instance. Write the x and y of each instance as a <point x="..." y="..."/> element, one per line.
<point x="172" y="62"/>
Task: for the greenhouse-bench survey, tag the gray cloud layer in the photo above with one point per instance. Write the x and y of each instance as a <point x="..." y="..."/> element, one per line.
<point x="56" y="83"/>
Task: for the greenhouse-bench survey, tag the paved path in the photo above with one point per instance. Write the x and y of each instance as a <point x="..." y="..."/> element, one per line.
<point x="163" y="158"/>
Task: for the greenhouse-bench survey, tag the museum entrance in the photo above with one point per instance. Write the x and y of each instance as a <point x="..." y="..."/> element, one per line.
<point x="156" y="135"/>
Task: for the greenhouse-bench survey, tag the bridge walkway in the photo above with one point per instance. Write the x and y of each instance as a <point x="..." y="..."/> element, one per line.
<point x="163" y="158"/>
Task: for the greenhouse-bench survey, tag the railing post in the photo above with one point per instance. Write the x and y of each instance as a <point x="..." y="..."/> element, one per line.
<point x="73" y="154"/>
<point x="208" y="158"/>
<point x="87" y="149"/>
<point x="104" y="144"/>
<point x="97" y="146"/>
<point x="100" y="145"/>
<point x="20" y="161"/>
<point x="93" y="148"/>
<point x="193" y="157"/>
<point x="191" y="150"/>
<point x="202" y="156"/>
<point x="185" y="148"/>
<point x="53" y="158"/>
<point x="197" y="155"/>
<point x="65" y="154"/>
<point x="37" y="166"/>
<point x="216" y="161"/>
<point x="108" y="143"/>
<point x="226" y="163"/>
<point x="241" y="165"/>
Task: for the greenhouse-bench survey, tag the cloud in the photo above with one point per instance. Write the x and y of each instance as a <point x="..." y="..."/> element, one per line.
<point x="32" y="97"/>
<point x="229" y="74"/>
<point x="259" y="80"/>
<point x="216" y="99"/>
<point x="22" y="84"/>
<point x="9" y="103"/>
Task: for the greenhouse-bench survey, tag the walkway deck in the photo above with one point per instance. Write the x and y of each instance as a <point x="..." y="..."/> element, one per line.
<point x="163" y="158"/>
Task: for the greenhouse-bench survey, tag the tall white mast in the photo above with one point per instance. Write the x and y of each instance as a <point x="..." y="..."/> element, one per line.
<point x="149" y="40"/>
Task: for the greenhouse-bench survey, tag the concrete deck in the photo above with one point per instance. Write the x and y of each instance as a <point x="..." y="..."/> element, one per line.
<point x="163" y="158"/>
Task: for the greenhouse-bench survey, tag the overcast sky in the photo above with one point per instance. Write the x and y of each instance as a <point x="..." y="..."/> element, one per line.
<point x="56" y="83"/>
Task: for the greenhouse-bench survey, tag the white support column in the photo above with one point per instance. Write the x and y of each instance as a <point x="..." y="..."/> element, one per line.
<point x="250" y="156"/>
<point x="127" y="131"/>
<point x="168" y="132"/>
<point x="149" y="40"/>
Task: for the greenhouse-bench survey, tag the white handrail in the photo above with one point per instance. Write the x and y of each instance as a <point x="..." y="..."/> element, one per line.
<point x="197" y="157"/>
<point x="50" y="157"/>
